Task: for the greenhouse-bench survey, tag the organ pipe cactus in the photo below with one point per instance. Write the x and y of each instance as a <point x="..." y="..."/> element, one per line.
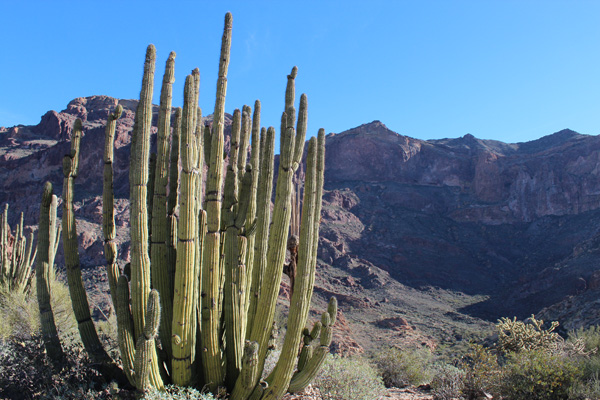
<point x="79" y="301"/>
<point x="215" y="254"/>
<point x="16" y="256"/>
<point x="48" y="237"/>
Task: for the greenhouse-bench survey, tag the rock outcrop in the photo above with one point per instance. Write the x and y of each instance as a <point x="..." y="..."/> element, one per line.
<point x="408" y="226"/>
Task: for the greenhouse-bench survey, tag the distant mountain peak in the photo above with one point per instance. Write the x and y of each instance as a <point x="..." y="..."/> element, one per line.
<point x="372" y="128"/>
<point x="550" y="141"/>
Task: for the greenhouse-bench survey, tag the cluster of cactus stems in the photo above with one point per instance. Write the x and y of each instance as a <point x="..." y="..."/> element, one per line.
<point x="16" y="256"/>
<point x="515" y="336"/>
<point x="207" y="262"/>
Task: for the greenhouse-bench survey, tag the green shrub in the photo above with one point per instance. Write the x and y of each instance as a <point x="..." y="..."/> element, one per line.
<point x="538" y="375"/>
<point x="20" y="315"/>
<point x="590" y="337"/>
<point x="585" y="389"/>
<point x="447" y="382"/>
<point x="348" y="379"/>
<point x="173" y="392"/>
<point x="400" y="368"/>
<point x="481" y="372"/>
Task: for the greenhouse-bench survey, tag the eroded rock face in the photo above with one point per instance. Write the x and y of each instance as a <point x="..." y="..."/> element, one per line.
<point x="515" y="223"/>
<point x="505" y="183"/>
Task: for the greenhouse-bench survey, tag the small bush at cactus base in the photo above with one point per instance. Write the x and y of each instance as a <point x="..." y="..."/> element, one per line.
<point x="401" y="368"/>
<point x="481" y="372"/>
<point x="447" y="382"/>
<point x="173" y="392"/>
<point x="20" y="317"/>
<point x="348" y="379"/>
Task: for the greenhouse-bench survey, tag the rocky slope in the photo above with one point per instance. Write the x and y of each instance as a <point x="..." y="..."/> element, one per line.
<point x="422" y="241"/>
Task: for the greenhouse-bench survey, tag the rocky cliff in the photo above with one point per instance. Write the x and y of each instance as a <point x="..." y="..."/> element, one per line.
<point x="422" y="241"/>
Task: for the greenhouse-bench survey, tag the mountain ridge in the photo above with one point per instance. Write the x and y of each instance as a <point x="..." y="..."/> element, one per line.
<point x="409" y="227"/>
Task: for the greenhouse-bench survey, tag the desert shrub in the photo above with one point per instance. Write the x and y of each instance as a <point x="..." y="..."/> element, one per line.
<point x="400" y="368"/>
<point x="20" y="313"/>
<point x="590" y="337"/>
<point x="447" y="382"/>
<point x="587" y="341"/>
<point x="514" y="336"/>
<point x="538" y="375"/>
<point x="481" y="372"/>
<point x="585" y="389"/>
<point x="348" y="379"/>
<point x="173" y="392"/>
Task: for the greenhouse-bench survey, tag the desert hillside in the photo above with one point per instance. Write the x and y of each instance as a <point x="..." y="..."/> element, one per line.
<point x="422" y="242"/>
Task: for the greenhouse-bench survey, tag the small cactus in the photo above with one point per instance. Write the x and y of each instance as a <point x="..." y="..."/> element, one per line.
<point x="16" y="256"/>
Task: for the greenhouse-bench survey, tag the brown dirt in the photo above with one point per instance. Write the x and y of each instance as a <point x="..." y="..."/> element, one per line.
<point x="410" y="393"/>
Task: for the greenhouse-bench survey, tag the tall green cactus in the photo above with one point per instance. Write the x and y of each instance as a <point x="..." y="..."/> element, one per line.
<point x="79" y="299"/>
<point x="162" y="274"/>
<point x="48" y="238"/>
<point x="108" y="214"/>
<point x="218" y="265"/>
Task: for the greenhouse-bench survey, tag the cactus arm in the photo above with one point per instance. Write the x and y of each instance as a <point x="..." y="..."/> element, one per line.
<point x="140" y="154"/>
<point x="244" y="141"/>
<point x="162" y="279"/>
<point x="138" y="181"/>
<point x="45" y="262"/>
<point x="4" y="245"/>
<point x="235" y="283"/>
<point x="231" y="249"/>
<point x="305" y="375"/>
<point x="211" y="355"/>
<point x="251" y="219"/>
<point x="150" y="192"/>
<point x="25" y="271"/>
<point x="250" y="364"/>
<point x="79" y="300"/>
<point x="145" y="348"/>
<point x="280" y="377"/>
<point x="277" y="239"/>
<point x="300" y="131"/>
<point x="125" y="328"/>
<point x="173" y="200"/>
<point x="108" y="212"/>
<point x="185" y="273"/>
<point x="201" y="230"/>
<point x="263" y="221"/>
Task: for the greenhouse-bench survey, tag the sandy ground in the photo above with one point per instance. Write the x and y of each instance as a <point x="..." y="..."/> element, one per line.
<point x="410" y="393"/>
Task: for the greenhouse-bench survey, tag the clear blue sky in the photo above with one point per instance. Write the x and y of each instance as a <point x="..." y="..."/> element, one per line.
<point x="506" y="70"/>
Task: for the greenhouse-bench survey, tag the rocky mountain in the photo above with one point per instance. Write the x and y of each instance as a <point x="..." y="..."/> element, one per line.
<point x="423" y="242"/>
